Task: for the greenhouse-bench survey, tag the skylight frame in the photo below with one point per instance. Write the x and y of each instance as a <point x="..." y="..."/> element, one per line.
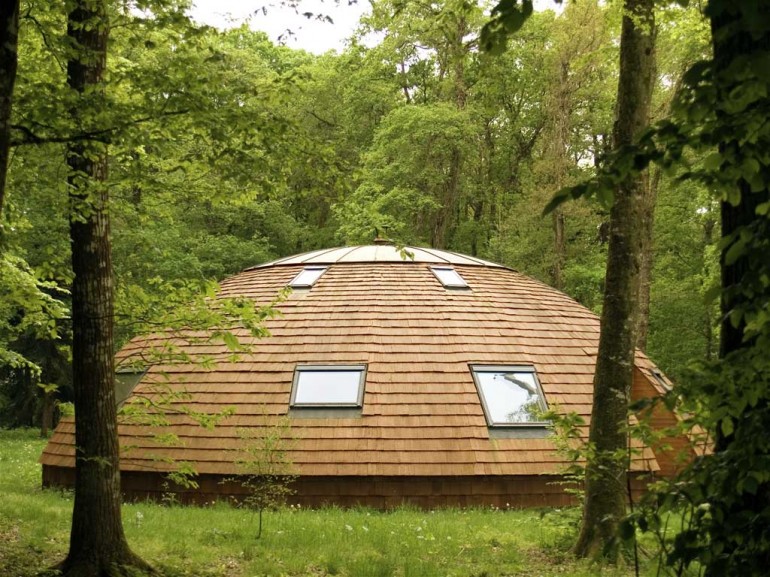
<point x="477" y="370"/>
<point x="459" y="284"/>
<point x="356" y="403"/>
<point x="307" y="271"/>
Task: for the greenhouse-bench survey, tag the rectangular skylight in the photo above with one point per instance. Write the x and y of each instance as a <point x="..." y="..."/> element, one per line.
<point x="308" y="276"/>
<point x="328" y="386"/>
<point x="449" y="277"/>
<point x="510" y="395"/>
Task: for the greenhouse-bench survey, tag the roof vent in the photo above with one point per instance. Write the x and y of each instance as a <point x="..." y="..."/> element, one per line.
<point x="380" y="240"/>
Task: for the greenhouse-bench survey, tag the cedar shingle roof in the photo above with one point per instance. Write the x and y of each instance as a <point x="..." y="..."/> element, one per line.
<point x="421" y="413"/>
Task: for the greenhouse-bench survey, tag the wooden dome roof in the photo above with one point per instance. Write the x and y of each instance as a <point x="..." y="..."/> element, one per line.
<point x="421" y="412"/>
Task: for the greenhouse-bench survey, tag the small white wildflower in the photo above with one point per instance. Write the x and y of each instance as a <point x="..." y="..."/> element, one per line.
<point x="365" y="528"/>
<point x="348" y="527"/>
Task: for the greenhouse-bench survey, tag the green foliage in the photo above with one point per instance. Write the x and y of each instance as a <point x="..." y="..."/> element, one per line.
<point x="719" y="118"/>
<point x="27" y="305"/>
<point x="407" y="166"/>
<point x="267" y="472"/>
<point x="507" y="18"/>
<point x="721" y="496"/>
<point x="31" y="315"/>
<point x="567" y="435"/>
<point x="683" y="320"/>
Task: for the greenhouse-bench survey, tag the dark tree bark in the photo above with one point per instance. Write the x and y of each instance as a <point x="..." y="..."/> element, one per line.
<point x="9" y="41"/>
<point x="733" y="39"/>
<point x="739" y="32"/>
<point x="605" y="486"/>
<point x="97" y="543"/>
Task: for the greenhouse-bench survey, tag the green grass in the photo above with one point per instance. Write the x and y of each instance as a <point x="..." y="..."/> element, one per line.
<point x="218" y="540"/>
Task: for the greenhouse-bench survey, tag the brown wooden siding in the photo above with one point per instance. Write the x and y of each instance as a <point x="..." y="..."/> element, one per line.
<point x="375" y="492"/>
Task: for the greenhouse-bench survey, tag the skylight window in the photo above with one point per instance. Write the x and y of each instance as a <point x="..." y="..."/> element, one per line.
<point x="510" y="395"/>
<point x="449" y="277"/>
<point x="126" y="380"/>
<point x="307" y="277"/>
<point x="328" y="386"/>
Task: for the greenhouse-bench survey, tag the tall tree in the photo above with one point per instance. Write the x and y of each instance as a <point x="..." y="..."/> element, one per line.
<point x="9" y="41"/>
<point x="606" y="472"/>
<point x="741" y="37"/>
<point x="98" y="545"/>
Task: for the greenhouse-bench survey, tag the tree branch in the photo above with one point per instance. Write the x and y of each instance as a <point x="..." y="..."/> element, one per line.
<point x="102" y="135"/>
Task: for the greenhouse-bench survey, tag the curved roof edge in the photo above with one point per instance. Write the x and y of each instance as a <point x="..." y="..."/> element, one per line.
<point x="379" y="253"/>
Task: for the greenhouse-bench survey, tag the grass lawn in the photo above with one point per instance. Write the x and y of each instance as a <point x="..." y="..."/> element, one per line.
<point x="218" y="540"/>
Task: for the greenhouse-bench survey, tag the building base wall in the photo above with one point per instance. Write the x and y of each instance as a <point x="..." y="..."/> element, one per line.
<point x="375" y="492"/>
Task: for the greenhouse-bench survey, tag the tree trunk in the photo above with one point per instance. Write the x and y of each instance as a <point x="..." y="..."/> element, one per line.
<point x="559" y="249"/>
<point x="447" y="216"/>
<point x="732" y="39"/>
<point x="647" y="225"/>
<point x="606" y="473"/>
<point x="9" y="41"/>
<point x="97" y="543"/>
<point x="735" y="38"/>
<point x="46" y="417"/>
<point x="560" y="108"/>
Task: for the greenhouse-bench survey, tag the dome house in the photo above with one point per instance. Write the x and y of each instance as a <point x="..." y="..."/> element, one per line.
<point x="397" y="376"/>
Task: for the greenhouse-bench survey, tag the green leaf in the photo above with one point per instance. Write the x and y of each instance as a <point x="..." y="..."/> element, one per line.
<point x="736" y="251"/>
<point x="712" y="294"/>
<point x="727" y="426"/>
<point x="627" y="530"/>
<point x="713" y="161"/>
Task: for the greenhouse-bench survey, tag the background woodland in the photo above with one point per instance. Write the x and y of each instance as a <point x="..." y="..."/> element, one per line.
<point x="227" y="150"/>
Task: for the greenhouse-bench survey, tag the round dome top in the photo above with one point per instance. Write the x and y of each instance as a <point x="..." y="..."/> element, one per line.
<point x="379" y="253"/>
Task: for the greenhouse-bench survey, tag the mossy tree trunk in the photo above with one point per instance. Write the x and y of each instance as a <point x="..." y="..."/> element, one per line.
<point x="98" y="546"/>
<point x="606" y="471"/>
<point x="647" y="223"/>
